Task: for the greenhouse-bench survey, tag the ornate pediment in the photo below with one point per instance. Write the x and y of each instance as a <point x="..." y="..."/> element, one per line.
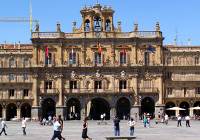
<point x="123" y="76"/>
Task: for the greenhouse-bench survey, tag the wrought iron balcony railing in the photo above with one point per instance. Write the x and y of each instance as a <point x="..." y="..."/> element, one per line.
<point x="48" y="91"/>
<point x="148" y="90"/>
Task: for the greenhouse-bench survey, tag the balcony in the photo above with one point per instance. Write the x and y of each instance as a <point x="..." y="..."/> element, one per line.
<point x="116" y="90"/>
<point x="148" y="90"/>
<point x="48" y="35"/>
<point x="48" y="91"/>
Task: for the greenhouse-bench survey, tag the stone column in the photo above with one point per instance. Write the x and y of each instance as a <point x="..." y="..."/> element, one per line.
<point x="83" y="109"/>
<point x="35" y="89"/>
<point x="60" y="89"/>
<point x="4" y="113"/>
<point x="191" y="112"/>
<point x="60" y="111"/>
<point x="61" y="55"/>
<point x="134" y="55"/>
<point x="18" y="113"/>
<point x="160" y="89"/>
<point x="135" y="109"/>
<point x="112" y="112"/>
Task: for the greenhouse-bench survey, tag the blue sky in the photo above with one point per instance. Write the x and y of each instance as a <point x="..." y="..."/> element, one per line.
<point x="173" y="15"/>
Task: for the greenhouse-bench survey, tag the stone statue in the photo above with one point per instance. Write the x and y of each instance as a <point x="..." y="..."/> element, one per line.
<point x="157" y="26"/>
<point x="58" y="27"/>
<point x="136" y="26"/>
<point x="37" y="27"/>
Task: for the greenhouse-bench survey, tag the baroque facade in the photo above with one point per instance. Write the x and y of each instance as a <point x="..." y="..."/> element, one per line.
<point x="97" y="69"/>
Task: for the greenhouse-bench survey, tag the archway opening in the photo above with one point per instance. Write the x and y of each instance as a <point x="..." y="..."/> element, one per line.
<point x="197" y="104"/>
<point x="48" y="108"/>
<point x="148" y="106"/>
<point x="186" y="106"/>
<point x="11" y="111"/>
<point x="26" y="110"/>
<point x="73" y="109"/>
<point x="1" y="111"/>
<point x="123" y="108"/>
<point x="96" y="107"/>
<point x="170" y="112"/>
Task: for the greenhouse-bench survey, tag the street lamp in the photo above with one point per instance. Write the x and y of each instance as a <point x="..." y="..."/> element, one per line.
<point x="18" y="103"/>
<point x="4" y="104"/>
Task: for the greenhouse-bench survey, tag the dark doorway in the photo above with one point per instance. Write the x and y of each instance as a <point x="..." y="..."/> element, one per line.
<point x="170" y="112"/>
<point x="123" y="108"/>
<point x="99" y="106"/>
<point x="73" y="109"/>
<point x="11" y="111"/>
<point x="186" y="106"/>
<point x="148" y="106"/>
<point x="1" y="111"/>
<point x="48" y="108"/>
<point x="26" y="110"/>
<point x="197" y="104"/>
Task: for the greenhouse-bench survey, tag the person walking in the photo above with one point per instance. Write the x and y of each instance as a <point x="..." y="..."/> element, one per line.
<point x="187" y="121"/>
<point x="166" y="118"/>
<point x="84" y="133"/>
<point x="145" y="121"/>
<point x="131" y="124"/>
<point x="57" y="130"/>
<point x="49" y="120"/>
<point x="179" y="120"/>
<point x="116" y="126"/>
<point x="61" y="126"/>
<point x="135" y="117"/>
<point x="162" y="118"/>
<point x="24" y="126"/>
<point x="3" y="125"/>
<point x="101" y="116"/>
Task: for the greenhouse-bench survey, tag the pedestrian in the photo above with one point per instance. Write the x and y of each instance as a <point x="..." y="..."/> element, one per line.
<point x="162" y="118"/>
<point x="187" y="121"/>
<point x="54" y="119"/>
<point x="61" y="126"/>
<point x="158" y="114"/>
<point x="148" y="121"/>
<point x="116" y="126"/>
<point x="104" y="116"/>
<point x="135" y="117"/>
<point x="49" y="120"/>
<point x="145" y="121"/>
<point x="57" y="130"/>
<point x="24" y="125"/>
<point x="131" y="124"/>
<point x="166" y="118"/>
<point x="84" y="133"/>
<point x="44" y="121"/>
<point x="179" y="120"/>
<point x="3" y="125"/>
<point x="101" y="117"/>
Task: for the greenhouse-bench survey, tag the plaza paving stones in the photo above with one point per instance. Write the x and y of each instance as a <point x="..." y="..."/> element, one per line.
<point x="73" y="131"/>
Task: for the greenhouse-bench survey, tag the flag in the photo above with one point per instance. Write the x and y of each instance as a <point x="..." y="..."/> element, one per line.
<point x="99" y="48"/>
<point x="72" y="52"/>
<point x="30" y="17"/>
<point x="124" y="53"/>
<point x="47" y="52"/>
<point x="150" y="49"/>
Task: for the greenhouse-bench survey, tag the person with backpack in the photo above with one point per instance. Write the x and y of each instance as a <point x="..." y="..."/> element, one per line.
<point x="116" y="126"/>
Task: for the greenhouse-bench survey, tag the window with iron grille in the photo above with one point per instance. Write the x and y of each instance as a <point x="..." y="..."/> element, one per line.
<point x="25" y="76"/>
<point x="97" y="58"/>
<point x="98" y="85"/>
<point x="72" y="58"/>
<point x="11" y="92"/>
<point x="73" y="84"/>
<point x="26" y="62"/>
<point x="26" y="92"/>
<point x="48" y="85"/>
<point x="169" y="91"/>
<point x="12" y="62"/>
<point x="197" y="90"/>
<point x="122" y="84"/>
<point x="11" y="76"/>
<point x="122" y="58"/>
<point x="48" y="60"/>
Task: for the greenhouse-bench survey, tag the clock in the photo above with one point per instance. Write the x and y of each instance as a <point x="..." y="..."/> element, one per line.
<point x="97" y="34"/>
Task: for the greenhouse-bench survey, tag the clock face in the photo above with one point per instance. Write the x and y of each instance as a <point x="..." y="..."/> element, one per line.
<point x="97" y="34"/>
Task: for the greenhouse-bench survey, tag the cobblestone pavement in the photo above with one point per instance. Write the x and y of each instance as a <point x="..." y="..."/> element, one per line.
<point x="73" y="131"/>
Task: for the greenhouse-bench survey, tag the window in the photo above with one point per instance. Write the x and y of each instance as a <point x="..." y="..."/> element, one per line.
<point x="48" y="60"/>
<point x="197" y="90"/>
<point x="146" y="58"/>
<point x="147" y="84"/>
<point x="26" y="62"/>
<point x="11" y="92"/>
<point x="196" y="60"/>
<point x="72" y="58"/>
<point x="122" y="84"/>
<point x="11" y="76"/>
<point x="73" y="84"/>
<point x="25" y="92"/>
<point x="169" y="91"/>
<point x="97" y="58"/>
<point x="185" y="91"/>
<point x="48" y="85"/>
<point x="11" y="62"/>
<point x="98" y="85"/>
<point x="169" y="75"/>
<point x="122" y="58"/>
<point x="169" y="60"/>
<point x="25" y="76"/>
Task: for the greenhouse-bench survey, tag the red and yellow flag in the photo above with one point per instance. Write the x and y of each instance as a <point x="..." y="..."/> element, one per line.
<point x="99" y="48"/>
<point x="124" y="53"/>
<point x="47" y="51"/>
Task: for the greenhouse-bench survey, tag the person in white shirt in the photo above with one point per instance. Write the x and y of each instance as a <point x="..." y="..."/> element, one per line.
<point x="101" y="117"/>
<point x="57" y="130"/>
<point x="131" y="124"/>
<point x="166" y="118"/>
<point x="3" y="125"/>
<point x="179" y="120"/>
<point x="104" y="116"/>
<point x="24" y="126"/>
<point x="49" y="120"/>
<point x="187" y="121"/>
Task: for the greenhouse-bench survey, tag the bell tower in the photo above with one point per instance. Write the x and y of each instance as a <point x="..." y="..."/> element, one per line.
<point x="97" y="19"/>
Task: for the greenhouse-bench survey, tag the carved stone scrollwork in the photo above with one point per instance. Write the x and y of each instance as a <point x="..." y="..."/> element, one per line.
<point x="108" y="61"/>
<point x="35" y="76"/>
<point x="88" y="62"/>
<point x="65" y="62"/>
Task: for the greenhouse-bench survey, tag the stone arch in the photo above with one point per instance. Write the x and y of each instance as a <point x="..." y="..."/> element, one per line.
<point x="169" y="105"/>
<point x="11" y="111"/>
<point x="130" y="100"/>
<point x="26" y="110"/>
<point x="197" y="104"/>
<point x="1" y="108"/>
<point x="73" y="108"/>
<point x="96" y="106"/>
<point x="48" y="108"/>
<point x="148" y="105"/>
<point x="123" y="106"/>
<point x="185" y="105"/>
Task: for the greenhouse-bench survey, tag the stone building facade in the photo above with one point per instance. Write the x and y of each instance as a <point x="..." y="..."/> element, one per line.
<point x="97" y="69"/>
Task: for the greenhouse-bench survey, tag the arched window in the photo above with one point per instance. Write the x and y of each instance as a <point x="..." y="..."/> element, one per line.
<point x="87" y="25"/>
<point x="97" y="24"/>
<point x="107" y="25"/>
